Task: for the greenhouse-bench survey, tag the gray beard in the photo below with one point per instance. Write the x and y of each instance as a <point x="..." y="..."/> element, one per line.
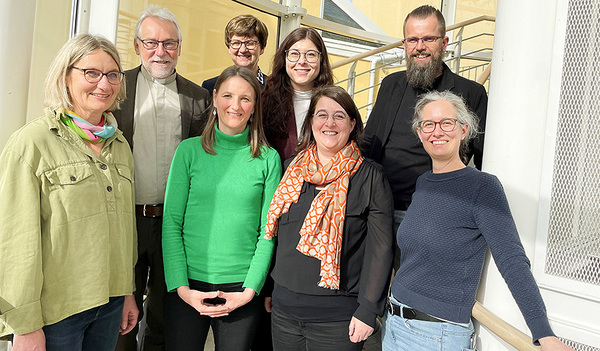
<point x="422" y="77"/>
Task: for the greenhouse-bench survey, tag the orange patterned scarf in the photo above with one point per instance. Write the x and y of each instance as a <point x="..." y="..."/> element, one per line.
<point x="321" y="232"/>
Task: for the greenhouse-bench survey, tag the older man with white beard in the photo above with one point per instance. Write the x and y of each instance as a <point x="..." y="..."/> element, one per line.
<point x="162" y="108"/>
<point x="389" y="139"/>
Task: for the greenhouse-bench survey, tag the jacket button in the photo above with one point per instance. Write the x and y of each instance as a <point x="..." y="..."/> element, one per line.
<point x="109" y="188"/>
<point x="103" y="167"/>
<point x="73" y="178"/>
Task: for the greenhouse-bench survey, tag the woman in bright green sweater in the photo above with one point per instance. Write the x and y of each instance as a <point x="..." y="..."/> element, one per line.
<point x="218" y="194"/>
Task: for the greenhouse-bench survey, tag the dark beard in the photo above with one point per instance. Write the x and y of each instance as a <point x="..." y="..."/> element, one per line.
<point x="422" y="77"/>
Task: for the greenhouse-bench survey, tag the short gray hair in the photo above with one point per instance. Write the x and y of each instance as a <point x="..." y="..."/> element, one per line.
<point x="56" y="93"/>
<point x="159" y="12"/>
<point x="463" y="114"/>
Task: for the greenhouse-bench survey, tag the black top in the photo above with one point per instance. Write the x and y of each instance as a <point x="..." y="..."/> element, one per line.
<point x="403" y="158"/>
<point x="389" y="138"/>
<point x="366" y="257"/>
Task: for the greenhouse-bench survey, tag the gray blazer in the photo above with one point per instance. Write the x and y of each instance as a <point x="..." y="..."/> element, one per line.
<point x="194" y="101"/>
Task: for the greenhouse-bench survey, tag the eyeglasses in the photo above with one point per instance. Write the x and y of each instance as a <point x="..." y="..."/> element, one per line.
<point x="94" y="75"/>
<point x="323" y="116"/>
<point x="447" y="125"/>
<point x="425" y="40"/>
<point x="249" y="44"/>
<point x="151" y="44"/>
<point x="311" y="56"/>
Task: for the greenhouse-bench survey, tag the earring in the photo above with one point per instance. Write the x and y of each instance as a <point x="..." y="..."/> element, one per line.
<point x="215" y="111"/>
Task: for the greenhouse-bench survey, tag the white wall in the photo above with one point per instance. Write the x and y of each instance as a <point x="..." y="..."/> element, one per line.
<point x="16" y="38"/>
<point x="525" y="79"/>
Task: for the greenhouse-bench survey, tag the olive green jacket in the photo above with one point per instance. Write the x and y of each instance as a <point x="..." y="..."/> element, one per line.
<point x="67" y="224"/>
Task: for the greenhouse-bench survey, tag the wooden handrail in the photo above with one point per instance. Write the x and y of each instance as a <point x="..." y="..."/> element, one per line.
<point x="485" y="74"/>
<point x="503" y="330"/>
<point x="389" y="46"/>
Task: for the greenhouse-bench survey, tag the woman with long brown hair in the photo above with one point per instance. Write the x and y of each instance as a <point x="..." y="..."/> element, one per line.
<point x="218" y="192"/>
<point x="300" y="64"/>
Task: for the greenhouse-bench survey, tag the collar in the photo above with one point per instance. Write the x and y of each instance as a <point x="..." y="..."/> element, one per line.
<point x="446" y="80"/>
<point x="164" y="81"/>
<point x="302" y="95"/>
<point x="231" y="142"/>
<point x="260" y="76"/>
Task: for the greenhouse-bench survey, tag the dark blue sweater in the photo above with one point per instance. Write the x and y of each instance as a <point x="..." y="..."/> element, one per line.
<point x="451" y="221"/>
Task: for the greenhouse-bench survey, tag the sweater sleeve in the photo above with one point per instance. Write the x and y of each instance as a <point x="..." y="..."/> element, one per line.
<point x="21" y="276"/>
<point x="377" y="262"/>
<point x="493" y="217"/>
<point x="176" y="198"/>
<point x="261" y="261"/>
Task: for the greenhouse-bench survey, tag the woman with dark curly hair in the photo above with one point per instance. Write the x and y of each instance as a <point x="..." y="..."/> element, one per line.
<point x="299" y="65"/>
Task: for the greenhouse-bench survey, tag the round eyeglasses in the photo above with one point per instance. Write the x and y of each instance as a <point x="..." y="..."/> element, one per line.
<point x="446" y="124"/>
<point x="94" y="75"/>
<point x="151" y="44"/>
<point x="323" y="116"/>
<point x="249" y="44"/>
<point x="311" y="56"/>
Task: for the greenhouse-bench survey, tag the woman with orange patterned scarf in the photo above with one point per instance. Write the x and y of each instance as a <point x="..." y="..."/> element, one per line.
<point x="332" y="217"/>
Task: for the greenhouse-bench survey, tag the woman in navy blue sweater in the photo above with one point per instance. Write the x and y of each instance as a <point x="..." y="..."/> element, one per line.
<point x="455" y="214"/>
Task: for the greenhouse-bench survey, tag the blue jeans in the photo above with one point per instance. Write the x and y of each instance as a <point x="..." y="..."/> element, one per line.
<point x="416" y="335"/>
<point x="95" y="329"/>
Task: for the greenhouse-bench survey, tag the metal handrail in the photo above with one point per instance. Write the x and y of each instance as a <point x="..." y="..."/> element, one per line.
<point x="455" y="54"/>
<point x="360" y="56"/>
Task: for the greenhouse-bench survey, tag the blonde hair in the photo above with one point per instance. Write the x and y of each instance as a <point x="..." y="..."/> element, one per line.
<point x="56" y="92"/>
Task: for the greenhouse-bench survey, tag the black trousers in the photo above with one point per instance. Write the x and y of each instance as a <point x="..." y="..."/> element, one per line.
<point x="187" y="330"/>
<point x="150" y="279"/>
<point x="293" y="335"/>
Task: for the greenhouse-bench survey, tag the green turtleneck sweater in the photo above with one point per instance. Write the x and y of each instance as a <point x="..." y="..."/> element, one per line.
<point x="215" y="213"/>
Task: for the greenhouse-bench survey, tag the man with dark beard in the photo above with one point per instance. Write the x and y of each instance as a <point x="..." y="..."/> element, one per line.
<point x="389" y="139"/>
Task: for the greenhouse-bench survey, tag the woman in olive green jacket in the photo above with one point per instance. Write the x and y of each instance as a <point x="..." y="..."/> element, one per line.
<point x="67" y="233"/>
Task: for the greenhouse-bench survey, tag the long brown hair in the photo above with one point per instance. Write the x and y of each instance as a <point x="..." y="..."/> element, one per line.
<point x="256" y="135"/>
<point x="278" y="94"/>
<point x="339" y="95"/>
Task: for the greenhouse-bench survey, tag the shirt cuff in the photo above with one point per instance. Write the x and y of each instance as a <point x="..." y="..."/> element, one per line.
<point x="365" y="316"/>
<point x="540" y="327"/>
<point x="22" y="320"/>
